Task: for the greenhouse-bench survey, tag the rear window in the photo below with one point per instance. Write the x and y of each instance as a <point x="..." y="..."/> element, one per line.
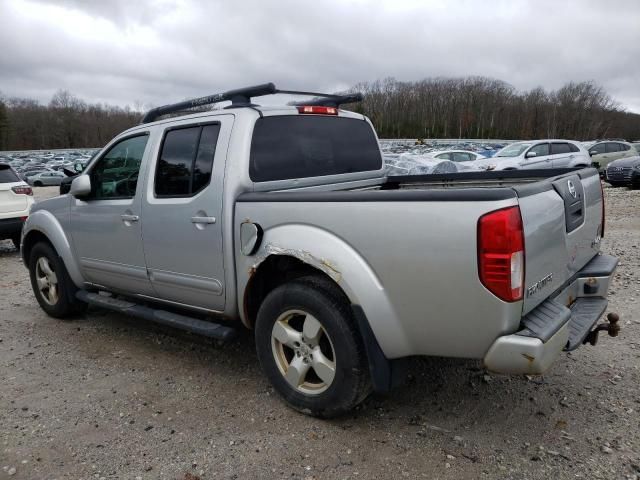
<point x="7" y="175"/>
<point x="300" y="146"/>
<point x="613" y="147"/>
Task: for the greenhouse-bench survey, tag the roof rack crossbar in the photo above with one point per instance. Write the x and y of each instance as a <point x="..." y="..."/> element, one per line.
<point x="241" y="97"/>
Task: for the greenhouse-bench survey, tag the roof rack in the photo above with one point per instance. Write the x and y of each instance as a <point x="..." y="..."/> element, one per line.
<point x="241" y="97"/>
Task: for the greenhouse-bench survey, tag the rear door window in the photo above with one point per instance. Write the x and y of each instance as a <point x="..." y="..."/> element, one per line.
<point x="612" y="147"/>
<point x="300" y="146"/>
<point x="558" y="148"/>
<point x="186" y="160"/>
<point x="461" y="157"/>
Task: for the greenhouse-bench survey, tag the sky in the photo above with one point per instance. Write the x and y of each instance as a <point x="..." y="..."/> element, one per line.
<point x="153" y="52"/>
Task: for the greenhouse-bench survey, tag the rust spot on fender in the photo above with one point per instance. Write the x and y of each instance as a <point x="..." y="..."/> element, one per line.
<point x="322" y="264"/>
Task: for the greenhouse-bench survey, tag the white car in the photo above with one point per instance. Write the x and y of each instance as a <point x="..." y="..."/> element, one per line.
<point x="16" y="198"/>
<point x="537" y="154"/>
<point x="458" y="155"/>
<point x="605" y="152"/>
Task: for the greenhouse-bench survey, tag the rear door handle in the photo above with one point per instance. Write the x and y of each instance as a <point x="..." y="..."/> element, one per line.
<point x="203" y="219"/>
<point x="129" y="218"/>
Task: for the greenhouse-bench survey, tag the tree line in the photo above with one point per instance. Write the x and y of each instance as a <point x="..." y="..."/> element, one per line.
<point x="472" y="107"/>
<point x="480" y="107"/>
<point x="65" y="122"/>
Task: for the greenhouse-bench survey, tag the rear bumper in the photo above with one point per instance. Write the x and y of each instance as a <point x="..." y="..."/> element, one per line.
<point x="10" y="227"/>
<point x="561" y="323"/>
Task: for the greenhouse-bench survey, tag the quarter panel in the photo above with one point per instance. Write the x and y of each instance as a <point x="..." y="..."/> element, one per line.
<point x="412" y="266"/>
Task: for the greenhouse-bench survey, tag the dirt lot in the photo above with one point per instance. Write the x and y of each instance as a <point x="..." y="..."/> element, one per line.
<point x="107" y="396"/>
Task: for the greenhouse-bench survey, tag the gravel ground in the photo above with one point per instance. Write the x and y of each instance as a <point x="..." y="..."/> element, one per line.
<point x="105" y="396"/>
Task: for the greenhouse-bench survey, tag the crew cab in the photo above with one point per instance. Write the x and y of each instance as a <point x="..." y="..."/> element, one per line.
<point x="281" y="220"/>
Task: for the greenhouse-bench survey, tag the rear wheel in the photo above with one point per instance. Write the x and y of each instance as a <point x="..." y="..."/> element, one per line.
<point x="309" y="348"/>
<point x="37" y="183"/>
<point x="51" y="283"/>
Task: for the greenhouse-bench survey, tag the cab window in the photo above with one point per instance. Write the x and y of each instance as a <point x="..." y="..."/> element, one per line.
<point x="186" y="160"/>
<point x="115" y="174"/>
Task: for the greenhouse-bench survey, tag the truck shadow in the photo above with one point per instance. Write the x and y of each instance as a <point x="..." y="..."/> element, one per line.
<point x="440" y="397"/>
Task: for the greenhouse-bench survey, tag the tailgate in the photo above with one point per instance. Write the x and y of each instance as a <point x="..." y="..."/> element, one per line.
<point x="562" y="219"/>
<point x="9" y="201"/>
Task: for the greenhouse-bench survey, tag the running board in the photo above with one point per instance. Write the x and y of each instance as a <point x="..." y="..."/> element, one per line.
<point x="201" y="327"/>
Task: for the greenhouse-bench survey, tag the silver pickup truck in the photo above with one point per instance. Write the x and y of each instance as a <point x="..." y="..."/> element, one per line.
<point x="281" y="219"/>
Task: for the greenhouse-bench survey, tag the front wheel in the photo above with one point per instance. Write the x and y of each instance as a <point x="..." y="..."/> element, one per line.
<point x="51" y="284"/>
<point x="310" y="349"/>
<point x="37" y="184"/>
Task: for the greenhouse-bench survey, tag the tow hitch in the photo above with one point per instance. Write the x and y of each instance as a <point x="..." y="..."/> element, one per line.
<point x="611" y="326"/>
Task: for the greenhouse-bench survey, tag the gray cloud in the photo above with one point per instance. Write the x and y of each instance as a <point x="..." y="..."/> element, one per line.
<point x="161" y="51"/>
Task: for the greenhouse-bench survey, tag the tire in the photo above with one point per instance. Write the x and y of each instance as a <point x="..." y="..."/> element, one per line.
<point x="37" y="184"/>
<point x="16" y="241"/>
<point x="51" y="284"/>
<point x="616" y="184"/>
<point x="307" y="324"/>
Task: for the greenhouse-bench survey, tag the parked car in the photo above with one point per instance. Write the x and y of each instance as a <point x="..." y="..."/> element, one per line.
<point x="538" y="154"/>
<point x="281" y="219"/>
<point x="30" y="172"/>
<point x="46" y="179"/>
<point x="16" y="198"/>
<point x="415" y="164"/>
<point x="458" y="156"/>
<point x="624" y="172"/>
<point x="602" y="153"/>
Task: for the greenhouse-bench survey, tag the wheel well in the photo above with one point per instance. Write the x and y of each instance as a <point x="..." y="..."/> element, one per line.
<point x="274" y="271"/>
<point x="30" y="240"/>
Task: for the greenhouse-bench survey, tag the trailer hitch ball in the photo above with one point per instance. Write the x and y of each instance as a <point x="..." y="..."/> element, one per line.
<point x="611" y="326"/>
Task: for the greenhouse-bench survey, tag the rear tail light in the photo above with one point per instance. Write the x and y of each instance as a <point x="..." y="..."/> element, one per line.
<point x="318" y="110"/>
<point x="22" y="190"/>
<point x="603" y="211"/>
<point x="501" y="253"/>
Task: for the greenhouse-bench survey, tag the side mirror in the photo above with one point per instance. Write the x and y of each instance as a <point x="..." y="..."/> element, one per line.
<point x="531" y="155"/>
<point x="592" y="153"/>
<point x="80" y="186"/>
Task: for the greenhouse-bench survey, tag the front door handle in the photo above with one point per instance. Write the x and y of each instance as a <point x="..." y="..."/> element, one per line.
<point x="203" y="219"/>
<point x="129" y="218"/>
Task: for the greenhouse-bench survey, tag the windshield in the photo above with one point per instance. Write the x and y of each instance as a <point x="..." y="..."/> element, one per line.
<point x="513" y="150"/>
